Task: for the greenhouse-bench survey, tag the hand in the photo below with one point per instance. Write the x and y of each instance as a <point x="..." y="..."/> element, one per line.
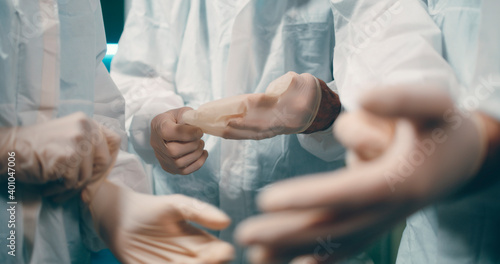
<point x="141" y="228"/>
<point x="420" y="159"/>
<point x="178" y="147"/>
<point x="290" y="105"/>
<point x="66" y="154"/>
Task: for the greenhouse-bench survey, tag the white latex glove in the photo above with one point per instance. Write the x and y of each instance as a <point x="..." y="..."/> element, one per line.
<point x="334" y="215"/>
<point x="177" y="146"/>
<point x="66" y="153"/>
<point x="289" y="105"/>
<point x="140" y="228"/>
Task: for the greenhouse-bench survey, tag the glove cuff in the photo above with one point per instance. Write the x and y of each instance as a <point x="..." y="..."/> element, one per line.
<point x="329" y="110"/>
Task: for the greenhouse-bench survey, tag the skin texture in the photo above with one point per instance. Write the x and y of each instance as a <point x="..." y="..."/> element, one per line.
<point x="177" y="146"/>
<point x="334" y="215"/>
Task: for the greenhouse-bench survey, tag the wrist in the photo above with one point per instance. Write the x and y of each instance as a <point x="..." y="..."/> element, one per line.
<point x="104" y="200"/>
<point x="489" y="167"/>
<point x="329" y="110"/>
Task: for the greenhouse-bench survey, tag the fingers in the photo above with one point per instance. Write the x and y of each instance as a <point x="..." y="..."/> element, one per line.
<point x="258" y="120"/>
<point x="363" y="133"/>
<point x="167" y="127"/>
<point x="300" y="227"/>
<point x="254" y="125"/>
<point x="238" y="131"/>
<point x="181" y="133"/>
<point x="177" y="150"/>
<point x="195" y="165"/>
<point x="407" y="101"/>
<point x="199" y="212"/>
<point x="178" y="147"/>
<point x="344" y="188"/>
<point x="216" y="252"/>
<point x="190" y="158"/>
<point x="186" y="164"/>
<point x="274" y="227"/>
<point x="331" y="240"/>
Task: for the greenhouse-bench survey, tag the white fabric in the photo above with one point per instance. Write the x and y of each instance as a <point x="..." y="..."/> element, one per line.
<point x="175" y="53"/>
<point x="382" y="43"/>
<point x="396" y="42"/>
<point x="463" y="230"/>
<point x="50" y="66"/>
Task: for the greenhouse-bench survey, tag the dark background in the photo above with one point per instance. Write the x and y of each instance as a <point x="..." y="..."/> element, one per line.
<point x="114" y="17"/>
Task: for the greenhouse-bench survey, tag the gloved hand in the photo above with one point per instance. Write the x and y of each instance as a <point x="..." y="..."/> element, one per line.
<point x="289" y="105"/>
<point x="177" y="146"/>
<point x="65" y="154"/>
<point x="421" y="159"/>
<point x="141" y="228"/>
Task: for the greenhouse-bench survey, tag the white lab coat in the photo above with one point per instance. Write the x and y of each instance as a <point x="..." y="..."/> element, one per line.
<point x="411" y="42"/>
<point x="179" y="53"/>
<point x="50" y="66"/>
<point x="465" y="229"/>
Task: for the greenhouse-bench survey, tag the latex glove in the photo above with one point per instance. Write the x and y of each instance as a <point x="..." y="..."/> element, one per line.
<point x="366" y="136"/>
<point x="177" y="146"/>
<point x="289" y="105"/>
<point x="334" y="215"/>
<point x="140" y="228"/>
<point x="66" y="154"/>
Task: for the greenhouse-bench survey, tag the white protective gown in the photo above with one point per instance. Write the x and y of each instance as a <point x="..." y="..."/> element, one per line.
<point x="176" y="53"/>
<point x="463" y="230"/>
<point x="50" y="66"/>
<point x="413" y="41"/>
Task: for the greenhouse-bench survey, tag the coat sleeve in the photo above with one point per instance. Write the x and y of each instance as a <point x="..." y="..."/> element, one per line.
<point x="387" y="43"/>
<point x="323" y="144"/>
<point x="486" y="83"/>
<point x="144" y="67"/>
<point x="109" y="111"/>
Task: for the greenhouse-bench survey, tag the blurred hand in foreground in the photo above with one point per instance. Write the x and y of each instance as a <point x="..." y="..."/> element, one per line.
<point x="407" y="148"/>
<point x="140" y="228"/>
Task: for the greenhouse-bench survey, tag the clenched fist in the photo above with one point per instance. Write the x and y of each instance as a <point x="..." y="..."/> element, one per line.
<point x="177" y="146"/>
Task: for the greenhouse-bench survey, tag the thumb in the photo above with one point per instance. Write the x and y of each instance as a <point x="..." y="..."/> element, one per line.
<point x="179" y="115"/>
<point x="363" y="133"/>
<point x="201" y="213"/>
<point x="408" y="101"/>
